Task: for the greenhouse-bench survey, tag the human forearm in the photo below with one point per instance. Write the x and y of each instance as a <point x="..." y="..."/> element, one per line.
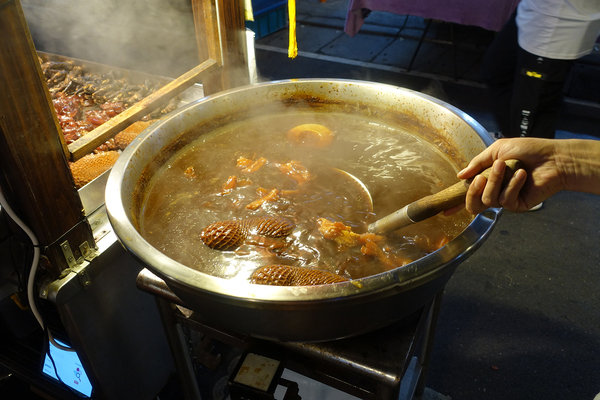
<point x="579" y="164"/>
<point x="550" y="166"/>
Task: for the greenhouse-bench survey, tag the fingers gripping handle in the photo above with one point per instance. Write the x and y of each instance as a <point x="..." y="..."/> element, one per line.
<point x="431" y="205"/>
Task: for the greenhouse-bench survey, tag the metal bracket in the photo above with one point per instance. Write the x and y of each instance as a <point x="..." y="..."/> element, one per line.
<point x="88" y="253"/>
<point x="84" y="278"/>
<point x="66" y="250"/>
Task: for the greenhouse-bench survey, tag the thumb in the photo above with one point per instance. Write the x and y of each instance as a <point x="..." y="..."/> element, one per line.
<point x="476" y="165"/>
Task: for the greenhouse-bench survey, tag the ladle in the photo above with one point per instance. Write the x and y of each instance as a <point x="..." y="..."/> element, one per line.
<point x="431" y="205"/>
<point x="366" y="195"/>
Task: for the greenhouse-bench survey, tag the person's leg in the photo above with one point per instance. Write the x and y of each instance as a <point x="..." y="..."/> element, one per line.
<point x="537" y="95"/>
<point x="498" y="71"/>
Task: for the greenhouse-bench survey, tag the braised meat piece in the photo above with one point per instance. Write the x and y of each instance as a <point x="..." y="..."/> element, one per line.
<point x="286" y="275"/>
<point x="230" y="234"/>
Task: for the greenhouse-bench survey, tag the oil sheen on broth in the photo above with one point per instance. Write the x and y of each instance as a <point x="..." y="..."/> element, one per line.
<point x="187" y="194"/>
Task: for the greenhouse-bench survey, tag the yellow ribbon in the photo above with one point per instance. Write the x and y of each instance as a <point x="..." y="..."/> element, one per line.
<point x="293" y="45"/>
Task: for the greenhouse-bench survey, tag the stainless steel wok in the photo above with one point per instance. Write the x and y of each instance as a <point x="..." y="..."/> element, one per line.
<point x="307" y="313"/>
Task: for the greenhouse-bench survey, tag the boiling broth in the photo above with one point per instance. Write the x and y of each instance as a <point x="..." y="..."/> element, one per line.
<point x="187" y="194"/>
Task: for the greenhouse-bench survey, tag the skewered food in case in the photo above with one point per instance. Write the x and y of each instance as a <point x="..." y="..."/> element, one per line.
<point x="85" y="99"/>
<point x="86" y="95"/>
<point x="87" y="168"/>
<point x="90" y="166"/>
<point x="126" y="136"/>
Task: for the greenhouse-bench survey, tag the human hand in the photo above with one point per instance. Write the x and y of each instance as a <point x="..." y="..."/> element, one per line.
<point x="528" y="187"/>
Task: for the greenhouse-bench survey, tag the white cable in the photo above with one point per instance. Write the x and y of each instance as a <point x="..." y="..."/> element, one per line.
<point x="33" y="270"/>
<point x="34" y="262"/>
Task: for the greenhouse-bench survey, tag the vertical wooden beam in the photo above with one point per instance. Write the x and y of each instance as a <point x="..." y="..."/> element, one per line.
<point x="221" y="35"/>
<point x="35" y="174"/>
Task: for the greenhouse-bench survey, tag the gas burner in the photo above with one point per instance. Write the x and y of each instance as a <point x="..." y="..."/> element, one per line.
<point x="389" y="363"/>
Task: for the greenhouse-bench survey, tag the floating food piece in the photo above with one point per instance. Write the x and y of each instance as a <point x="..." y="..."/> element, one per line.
<point x="224" y="235"/>
<point x="270" y="226"/>
<point x="230" y="234"/>
<point x="315" y="135"/>
<point x="271" y="195"/>
<point x="91" y="166"/>
<point x="233" y="182"/>
<point x="371" y="248"/>
<point x="369" y="242"/>
<point x="286" y="275"/>
<point x="250" y="166"/>
<point x="343" y="235"/>
<point x="338" y="232"/>
<point x="243" y="162"/>
<point x="229" y="185"/>
<point x="296" y="171"/>
<point x="126" y="136"/>
<point x="190" y="172"/>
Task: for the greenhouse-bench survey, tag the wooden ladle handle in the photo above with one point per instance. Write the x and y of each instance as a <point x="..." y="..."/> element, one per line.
<point x="433" y="204"/>
<point x="453" y="195"/>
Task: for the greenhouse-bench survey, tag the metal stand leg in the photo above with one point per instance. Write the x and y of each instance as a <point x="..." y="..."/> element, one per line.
<point x="412" y="384"/>
<point x="345" y="364"/>
<point x="179" y="349"/>
<point x="424" y="352"/>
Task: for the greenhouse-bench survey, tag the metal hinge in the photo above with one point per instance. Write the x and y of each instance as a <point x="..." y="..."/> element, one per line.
<point x="87" y="252"/>
<point x="69" y="257"/>
<point x="75" y="265"/>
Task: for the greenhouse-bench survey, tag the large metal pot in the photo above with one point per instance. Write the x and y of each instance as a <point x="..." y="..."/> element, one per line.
<point x="312" y="313"/>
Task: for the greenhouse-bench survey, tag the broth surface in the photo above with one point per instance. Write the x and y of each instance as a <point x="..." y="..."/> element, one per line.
<point x="188" y="193"/>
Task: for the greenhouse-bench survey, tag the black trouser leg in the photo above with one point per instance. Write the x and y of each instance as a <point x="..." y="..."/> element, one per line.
<point x="537" y="94"/>
<point x="498" y="72"/>
<point x="525" y="90"/>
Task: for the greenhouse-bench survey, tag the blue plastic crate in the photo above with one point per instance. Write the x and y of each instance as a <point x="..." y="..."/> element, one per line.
<point x="269" y="16"/>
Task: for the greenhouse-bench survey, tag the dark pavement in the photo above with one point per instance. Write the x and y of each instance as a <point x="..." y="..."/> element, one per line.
<point x="521" y="317"/>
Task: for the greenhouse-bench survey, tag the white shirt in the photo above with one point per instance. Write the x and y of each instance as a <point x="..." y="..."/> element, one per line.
<point x="558" y="29"/>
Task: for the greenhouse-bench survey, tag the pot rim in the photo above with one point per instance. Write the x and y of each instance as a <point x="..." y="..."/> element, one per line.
<point x="402" y="277"/>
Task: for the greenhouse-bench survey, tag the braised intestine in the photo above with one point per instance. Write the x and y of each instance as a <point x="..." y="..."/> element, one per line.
<point x="286" y="275"/>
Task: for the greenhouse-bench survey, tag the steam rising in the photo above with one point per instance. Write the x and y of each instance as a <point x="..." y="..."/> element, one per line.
<point x="154" y="36"/>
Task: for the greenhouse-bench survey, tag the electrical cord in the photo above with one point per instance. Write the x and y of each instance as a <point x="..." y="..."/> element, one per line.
<point x="32" y="272"/>
<point x="36" y="256"/>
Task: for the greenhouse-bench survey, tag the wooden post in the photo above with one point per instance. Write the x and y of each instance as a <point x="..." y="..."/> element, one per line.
<point x="221" y="36"/>
<point x="35" y="174"/>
